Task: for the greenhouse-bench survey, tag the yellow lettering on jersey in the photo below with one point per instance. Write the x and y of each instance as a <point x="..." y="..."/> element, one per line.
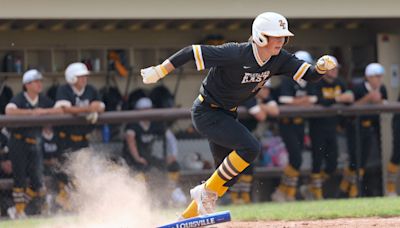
<point x="331" y="92"/>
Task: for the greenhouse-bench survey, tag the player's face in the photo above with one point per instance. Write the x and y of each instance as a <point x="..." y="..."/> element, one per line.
<point x="275" y="44"/>
<point x="81" y="83"/>
<point x="375" y="81"/>
<point x="332" y="73"/>
<point x="34" y="87"/>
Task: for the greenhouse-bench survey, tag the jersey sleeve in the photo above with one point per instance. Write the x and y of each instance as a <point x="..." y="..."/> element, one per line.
<point x="16" y="101"/>
<point x="358" y="92"/>
<point x="296" y="68"/>
<point x="95" y="95"/>
<point x="63" y="94"/>
<point x="207" y="56"/>
<point x="46" y="102"/>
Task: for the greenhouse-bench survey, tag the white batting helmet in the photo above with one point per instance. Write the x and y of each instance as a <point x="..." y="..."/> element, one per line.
<point x="269" y="24"/>
<point x="75" y="70"/>
<point x="374" y="69"/>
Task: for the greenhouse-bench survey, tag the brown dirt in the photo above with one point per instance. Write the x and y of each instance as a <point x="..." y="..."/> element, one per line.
<point x="331" y="223"/>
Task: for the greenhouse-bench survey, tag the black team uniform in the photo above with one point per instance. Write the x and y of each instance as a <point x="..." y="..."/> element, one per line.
<point x="25" y="154"/>
<point x="369" y="129"/>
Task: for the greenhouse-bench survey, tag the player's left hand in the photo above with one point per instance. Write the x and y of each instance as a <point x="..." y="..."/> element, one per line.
<point x="92" y="117"/>
<point x="325" y="63"/>
<point x="153" y="74"/>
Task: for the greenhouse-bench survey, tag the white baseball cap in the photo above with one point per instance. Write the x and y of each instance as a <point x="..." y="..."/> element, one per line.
<point x="144" y="103"/>
<point x="31" y="75"/>
<point x="374" y="69"/>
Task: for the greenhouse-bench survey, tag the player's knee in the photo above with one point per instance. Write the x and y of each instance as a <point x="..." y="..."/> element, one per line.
<point x="253" y="150"/>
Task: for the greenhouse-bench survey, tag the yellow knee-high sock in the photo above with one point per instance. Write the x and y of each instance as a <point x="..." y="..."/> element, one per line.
<point x="235" y="197"/>
<point x="232" y="166"/>
<point x="19" y="199"/>
<point x="316" y="185"/>
<point x="222" y="190"/>
<point x="246" y="187"/>
<point x="391" y="177"/>
<point x="191" y="211"/>
<point x="345" y="183"/>
<point x="290" y="180"/>
<point x="30" y="194"/>
<point x="354" y="191"/>
<point x="246" y="197"/>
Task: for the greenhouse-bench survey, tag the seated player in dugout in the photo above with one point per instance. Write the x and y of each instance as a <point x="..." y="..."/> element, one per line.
<point x="236" y="73"/>
<point x="296" y="94"/>
<point x="370" y="91"/>
<point x="24" y="152"/>
<point x="259" y="107"/>
<point x="138" y="149"/>
<point x="330" y="90"/>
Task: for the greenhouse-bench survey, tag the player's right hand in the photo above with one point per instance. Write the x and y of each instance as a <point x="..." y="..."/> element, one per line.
<point x="153" y="74"/>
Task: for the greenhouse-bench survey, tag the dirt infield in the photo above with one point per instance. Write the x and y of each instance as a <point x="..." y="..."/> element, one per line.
<point x="331" y="223"/>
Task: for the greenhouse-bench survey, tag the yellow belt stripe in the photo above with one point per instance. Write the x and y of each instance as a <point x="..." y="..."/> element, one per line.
<point x="301" y="71"/>
<point x="201" y="98"/>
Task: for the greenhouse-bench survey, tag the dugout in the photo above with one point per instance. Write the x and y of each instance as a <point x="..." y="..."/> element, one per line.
<point x="49" y="35"/>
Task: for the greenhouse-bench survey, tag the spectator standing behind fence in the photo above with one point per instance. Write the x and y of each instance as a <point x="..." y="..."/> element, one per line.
<point x="138" y="150"/>
<point x="24" y="143"/>
<point x="259" y="107"/>
<point x="76" y="97"/>
<point x="324" y="146"/>
<point x="393" y="166"/>
<point x="370" y="92"/>
<point x="292" y="131"/>
<point x="237" y="72"/>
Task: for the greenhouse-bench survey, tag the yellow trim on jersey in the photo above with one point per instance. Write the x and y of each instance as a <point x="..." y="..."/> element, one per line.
<point x="163" y="70"/>
<point x="301" y="71"/>
<point x="198" y="57"/>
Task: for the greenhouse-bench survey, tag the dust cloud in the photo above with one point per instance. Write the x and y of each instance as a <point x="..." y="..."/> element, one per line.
<point x="107" y="195"/>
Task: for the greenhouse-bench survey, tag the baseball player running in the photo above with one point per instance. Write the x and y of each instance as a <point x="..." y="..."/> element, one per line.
<point x="236" y="73"/>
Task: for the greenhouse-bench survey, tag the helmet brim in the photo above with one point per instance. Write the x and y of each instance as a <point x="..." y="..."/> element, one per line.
<point x="279" y="34"/>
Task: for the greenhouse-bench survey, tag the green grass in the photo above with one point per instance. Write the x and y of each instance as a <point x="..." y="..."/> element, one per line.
<point x="327" y="209"/>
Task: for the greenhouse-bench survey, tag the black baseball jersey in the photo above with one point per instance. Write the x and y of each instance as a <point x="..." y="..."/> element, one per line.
<point x="65" y="94"/>
<point x="360" y="91"/>
<point x="22" y="102"/>
<point x="237" y="72"/>
<point x="144" y="138"/>
<point x="326" y="93"/>
<point x="289" y="89"/>
<point x="49" y="147"/>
